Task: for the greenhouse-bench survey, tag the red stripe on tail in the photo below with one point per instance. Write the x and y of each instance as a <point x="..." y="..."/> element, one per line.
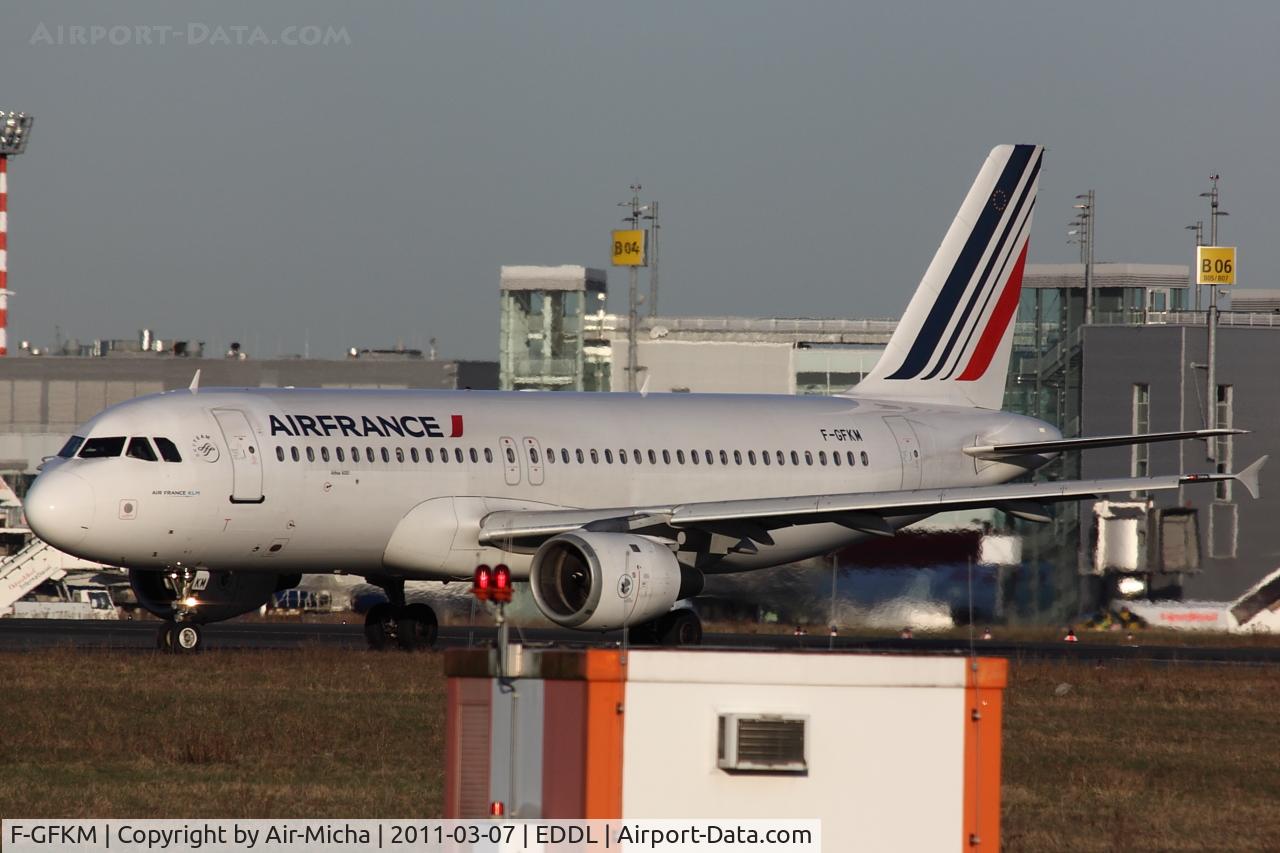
<point x="1006" y="307"/>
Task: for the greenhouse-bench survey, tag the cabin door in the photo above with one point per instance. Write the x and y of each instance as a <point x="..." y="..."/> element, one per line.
<point x="908" y="449"/>
<point x="246" y="460"/>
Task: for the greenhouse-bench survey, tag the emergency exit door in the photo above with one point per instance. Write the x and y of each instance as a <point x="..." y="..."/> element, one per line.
<point x="246" y="462"/>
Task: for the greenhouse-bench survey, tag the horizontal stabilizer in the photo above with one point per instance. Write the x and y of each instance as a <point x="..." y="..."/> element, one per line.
<point x="1247" y="478"/>
<point x="1029" y="448"/>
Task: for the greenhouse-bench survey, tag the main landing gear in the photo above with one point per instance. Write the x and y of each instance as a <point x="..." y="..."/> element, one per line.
<point x="409" y="626"/>
<point x="680" y="627"/>
<point x="181" y="635"/>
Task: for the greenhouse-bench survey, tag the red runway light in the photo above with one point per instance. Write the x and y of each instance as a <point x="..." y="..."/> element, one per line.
<point x="482" y="583"/>
<point x="501" y="583"/>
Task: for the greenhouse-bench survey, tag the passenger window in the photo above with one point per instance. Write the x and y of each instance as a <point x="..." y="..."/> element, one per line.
<point x="710" y="459"/>
<point x="169" y="451"/>
<point x="693" y="456"/>
<point x="850" y="457"/>
<point x="311" y="454"/>
<point x="413" y="453"/>
<point x="737" y="457"/>
<point x="474" y="454"/>
<point x="400" y="455"/>
<point x="635" y="454"/>
<point x="551" y="455"/>
<point x="140" y="448"/>
<point x="444" y="456"/>
<point x="608" y="456"/>
<point x="368" y="454"/>
<point x="533" y="455"/>
<point x="835" y="458"/>
<point x="653" y="458"/>
<point x="429" y="455"/>
<point x="666" y="457"/>
<point x="795" y="458"/>
<point x="724" y="458"/>
<point x="293" y="453"/>
<point x="680" y="456"/>
<point x="355" y="454"/>
<point x="488" y="455"/>
<point x="595" y="457"/>
<point x="622" y="456"/>
<point x="341" y="454"/>
<point x="578" y="452"/>
<point x="822" y="457"/>
<point x="564" y="455"/>
<point x="324" y="454"/>
<point x="279" y="453"/>
<point x="764" y="457"/>
<point x="386" y="455"/>
<point x="102" y="448"/>
<point x="73" y="444"/>
<point x="457" y="455"/>
<point x="865" y="460"/>
<point x="511" y="455"/>
<point x="808" y="458"/>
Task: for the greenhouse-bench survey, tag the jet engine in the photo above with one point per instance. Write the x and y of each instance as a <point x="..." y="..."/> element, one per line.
<point x="603" y="581"/>
<point x="219" y="594"/>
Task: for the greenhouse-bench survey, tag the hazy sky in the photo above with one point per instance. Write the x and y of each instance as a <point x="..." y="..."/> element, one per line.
<point x="807" y="156"/>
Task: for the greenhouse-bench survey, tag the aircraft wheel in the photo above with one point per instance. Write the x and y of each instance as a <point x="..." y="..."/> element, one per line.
<point x="379" y="626"/>
<point x="681" y="628"/>
<point x="416" y="627"/>
<point x="187" y="638"/>
<point x="645" y="634"/>
<point x="164" y="637"/>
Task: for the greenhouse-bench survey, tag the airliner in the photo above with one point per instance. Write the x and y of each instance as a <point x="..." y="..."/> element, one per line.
<point x="613" y="507"/>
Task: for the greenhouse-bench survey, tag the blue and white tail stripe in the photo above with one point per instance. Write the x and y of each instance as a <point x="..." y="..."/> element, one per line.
<point x="953" y="342"/>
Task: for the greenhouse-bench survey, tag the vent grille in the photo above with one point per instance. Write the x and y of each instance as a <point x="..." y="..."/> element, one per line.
<point x="762" y="743"/>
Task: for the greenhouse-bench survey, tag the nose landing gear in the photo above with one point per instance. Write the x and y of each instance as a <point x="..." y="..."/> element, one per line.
<point x="181" y="635"/>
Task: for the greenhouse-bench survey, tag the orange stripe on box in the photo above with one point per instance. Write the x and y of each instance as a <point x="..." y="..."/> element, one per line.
<point x="985" y="680"/>
<point x="606" y="673"/>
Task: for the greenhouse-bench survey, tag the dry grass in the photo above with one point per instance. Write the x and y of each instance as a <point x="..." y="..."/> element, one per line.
<point x="1141" y="757"/>
<point x="1130" y="757"/>
<point x="232" y="734"/>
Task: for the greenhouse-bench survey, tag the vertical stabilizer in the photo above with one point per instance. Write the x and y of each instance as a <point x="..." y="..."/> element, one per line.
<point x="953" y="343"/>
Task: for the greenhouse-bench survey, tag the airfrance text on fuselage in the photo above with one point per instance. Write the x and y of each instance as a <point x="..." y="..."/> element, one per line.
<point x="326" y="426"/>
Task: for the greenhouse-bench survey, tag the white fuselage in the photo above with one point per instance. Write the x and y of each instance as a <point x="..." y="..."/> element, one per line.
<point x="370" y="477"/>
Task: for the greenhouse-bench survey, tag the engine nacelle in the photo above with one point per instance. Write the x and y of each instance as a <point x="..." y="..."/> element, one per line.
<point x="221" y="594"/>
<point x="603" y="581"/>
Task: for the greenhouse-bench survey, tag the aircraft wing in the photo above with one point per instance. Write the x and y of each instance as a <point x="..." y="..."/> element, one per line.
<point x="1004" y="451"/>
<point x="868" y="512"/>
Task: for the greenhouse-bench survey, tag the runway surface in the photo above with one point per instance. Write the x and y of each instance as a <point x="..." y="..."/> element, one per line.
<point x="25" y="634"/>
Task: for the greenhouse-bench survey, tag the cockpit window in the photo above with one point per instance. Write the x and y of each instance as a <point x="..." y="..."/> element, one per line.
<point x="102" y="448"/>
<point x="168" y="450"/>
<point x="73" y="444"/>
<point x="140" y="448"/>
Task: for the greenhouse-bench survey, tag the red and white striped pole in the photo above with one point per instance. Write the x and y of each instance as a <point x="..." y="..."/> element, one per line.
<point x="4" y="255"/>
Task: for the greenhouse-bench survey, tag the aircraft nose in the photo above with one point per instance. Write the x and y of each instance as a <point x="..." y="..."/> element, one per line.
<point x="59" y="508"/>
